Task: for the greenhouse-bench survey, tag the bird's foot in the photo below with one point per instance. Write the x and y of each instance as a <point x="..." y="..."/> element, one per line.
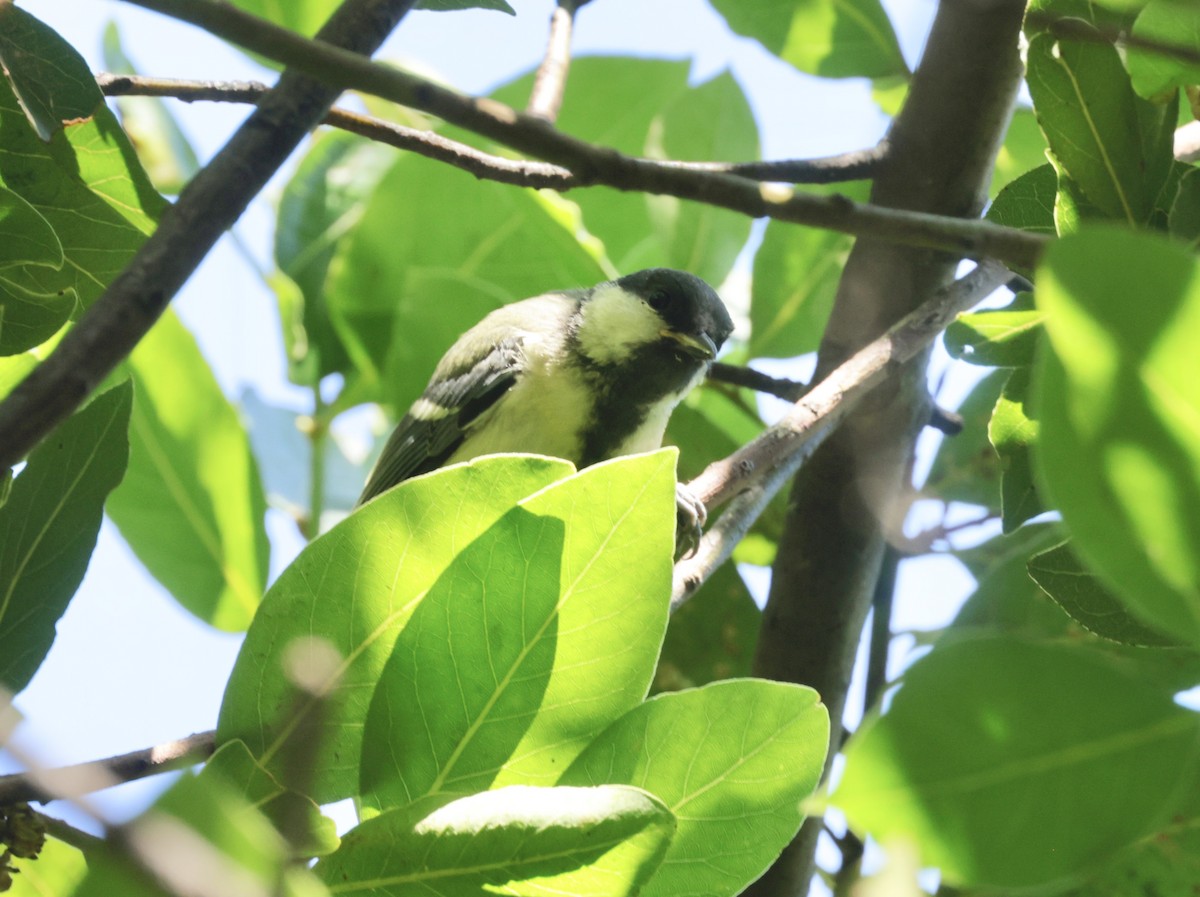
<point x="690" y="517"/>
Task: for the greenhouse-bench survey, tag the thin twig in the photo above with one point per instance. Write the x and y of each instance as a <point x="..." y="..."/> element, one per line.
<point x="69" y="834"/>
<point x="971" y="238"/>
<point x="210" y="203"/>
<point x="551" y="79"/>
<point x="518" y="172"/>
<point x="82" y="778"/>
<point x="754" y="473"/>
<point x="737" y="375"/>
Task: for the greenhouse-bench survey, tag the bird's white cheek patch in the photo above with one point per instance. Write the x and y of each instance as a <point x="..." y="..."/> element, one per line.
<point x="614" y="323"/>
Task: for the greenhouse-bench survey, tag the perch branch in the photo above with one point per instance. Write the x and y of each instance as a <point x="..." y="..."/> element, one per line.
<point x="972" y="238"/>
<point x="754" y="473"/>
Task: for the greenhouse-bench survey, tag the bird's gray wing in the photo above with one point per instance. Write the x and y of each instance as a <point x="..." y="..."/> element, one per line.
<point x="437" y="423"/>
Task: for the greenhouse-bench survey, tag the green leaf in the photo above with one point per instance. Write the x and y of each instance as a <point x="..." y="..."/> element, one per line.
<point x="1119" y="447"/>
<point x="198" y="836"/>
<point x="570" y="595"/>
<point x="1013" y="432"/>
<point x="85" y="181"/>
<point x="320" y="204"/>
<point x="48" y="528"/>
<point x="1028" y="202"/>
<point x="796" y="275"/>
<point x="832" y="39"/>
<point x="966" y="468"/>
<point x="712" y="636"/>
<point x="1172" y="24"/>
<point x="1113" y="144"/>
<point x="56" y="872"/>
<point x="732" y="760"/>
<point x="520" y="840"/>
<point x="163" y="148"/>
<point x="1023" y="150"/>
<point x="26" y="238"/>
<point x="192" y="505"/>
<point x="645" y="107"/>
<point x="310" y="832"/>
<point x="415" y="272"/>
<point x="998" y="337"/>
<point x="1014" y="764"/>
<point x="709" y="425"/>
<point x="356" y="586"/>
<point x="452" y="5"/>
<point x="14" y="369"/>
<point x="1074" y="589"/>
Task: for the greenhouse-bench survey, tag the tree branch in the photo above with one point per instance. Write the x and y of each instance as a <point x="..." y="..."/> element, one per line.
<point x="603" y="165"/>
<point x="753" y="474"/>
<point x="82" y="778"/>
<point x="518" y="172"/>
<point x="1081" y="30"/>
<point x="749" y="378"/>
<point x="551" y="79"/>
<point x="212" y="201"/>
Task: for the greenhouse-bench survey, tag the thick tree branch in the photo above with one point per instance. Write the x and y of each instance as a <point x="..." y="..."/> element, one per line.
<point x="851" y="495"/>
<point x="753" y="474"/>
<point x="603" y="165"/>
<point x="521" y="173"/>
<point x="83" y="778"/>
<point x="212" y="201"/>
<point x="551" y="79"/>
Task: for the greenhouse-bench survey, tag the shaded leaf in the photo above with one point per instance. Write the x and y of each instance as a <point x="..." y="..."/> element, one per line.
<point x="732" y="760"/>
<point x="1171" y="24"/>
<point x="966" y="467"/>
<point x="192" y="505"/>
<point x="1119" y="401"/>
<point x="26" y="238"/>
<point x="997" y="337"/>
<point x="1023" y="150"/>
<point x="993" y="774"/>
<point x="821" y="37"/>
<point x="520" y="840"/>
<point x="48" y="528"/>
<point x="1081" y="595"/>
<point x="1184" y="220"/>
<point x="1028" y="202"/>
<point x="356" y="586"/>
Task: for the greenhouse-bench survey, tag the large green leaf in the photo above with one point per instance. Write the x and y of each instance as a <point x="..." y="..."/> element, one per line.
<point x="192" y="505"/>
<point x="796" y="275"/>
<point x="1172" y="24"/>
<point x="645" y="107"/>
<point x="1112" y="143"/>
<point x="1028" y="202"/>
<point x="1012" y="763"/>
<point x="80" y="174"/>
<point x="566" y="598"/>
<point x="997" y="337"/>
<point x="1119" y="402"/>
<point x="831" y="38"/>
<point x="520" y="840"/>
<point x="732" y="760"/>
<point x="416" y="272"/>
<point x="55" y="872"/>
<point x="320" y="204"/>
<point x="48" y="528"/>
<point x="26" y="238"/>
<point x="356" y="586"/>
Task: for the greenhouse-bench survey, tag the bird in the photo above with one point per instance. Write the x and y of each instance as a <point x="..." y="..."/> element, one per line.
<point x="581" y="374"/>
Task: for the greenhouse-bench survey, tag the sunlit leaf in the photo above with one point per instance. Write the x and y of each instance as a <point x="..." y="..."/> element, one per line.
<point x="1171" y="24"/>
<point x="520" y="840"/>
<point x="192" y="505"/>
<point x="1014" y="763"/>
<point x="1013" y="432"/>
<point x="997" y="337"/>
<point x="732" y="760"/>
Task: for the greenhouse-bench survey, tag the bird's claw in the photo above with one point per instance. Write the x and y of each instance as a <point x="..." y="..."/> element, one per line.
<point x="690" y="517"/>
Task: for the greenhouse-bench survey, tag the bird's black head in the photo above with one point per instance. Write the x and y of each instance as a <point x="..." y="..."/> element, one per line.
<point x="659" y="312"/>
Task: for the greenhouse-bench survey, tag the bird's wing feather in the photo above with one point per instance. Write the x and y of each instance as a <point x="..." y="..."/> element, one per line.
<point x="438" y="422"/>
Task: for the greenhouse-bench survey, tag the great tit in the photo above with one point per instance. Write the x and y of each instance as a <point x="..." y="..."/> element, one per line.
<point x="584" y="375"/>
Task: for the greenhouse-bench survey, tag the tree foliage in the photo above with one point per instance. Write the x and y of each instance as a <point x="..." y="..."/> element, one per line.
<point x="484" y="658"/>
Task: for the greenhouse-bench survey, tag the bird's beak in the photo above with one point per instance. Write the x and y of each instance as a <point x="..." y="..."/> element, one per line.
<point x="698" y="344"/>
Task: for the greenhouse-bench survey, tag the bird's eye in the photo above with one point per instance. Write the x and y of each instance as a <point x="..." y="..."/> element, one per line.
<point x="659" y="299"/>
